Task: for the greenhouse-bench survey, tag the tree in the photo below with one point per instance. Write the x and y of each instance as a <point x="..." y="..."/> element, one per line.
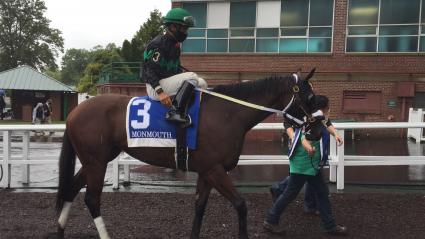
<point x="98" y="58"/>
<point x="151" y="28"/>
<point x="54" y="73"/>
<point x="126" y="51"/>
<point x="74" y="62"/>
<point x="26" y="37"/>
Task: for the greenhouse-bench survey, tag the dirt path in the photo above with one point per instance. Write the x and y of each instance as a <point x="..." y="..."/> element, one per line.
<point x="144" y="215"/>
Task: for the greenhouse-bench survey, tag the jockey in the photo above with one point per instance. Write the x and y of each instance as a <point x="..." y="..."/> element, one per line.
<point x="162" y="71"/>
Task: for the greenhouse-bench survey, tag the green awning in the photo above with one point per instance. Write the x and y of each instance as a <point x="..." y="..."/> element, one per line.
<point x="28" y="78"/>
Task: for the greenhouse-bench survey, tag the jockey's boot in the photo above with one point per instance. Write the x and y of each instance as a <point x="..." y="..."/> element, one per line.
<point x="178" y="113"/>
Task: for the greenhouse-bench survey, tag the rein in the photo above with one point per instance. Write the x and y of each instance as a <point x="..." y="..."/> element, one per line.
<point x="244" y="103"/>
<point x="295" y="90"/>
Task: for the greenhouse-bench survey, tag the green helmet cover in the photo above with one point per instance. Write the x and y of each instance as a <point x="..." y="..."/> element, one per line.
<point x="179" y="16"/>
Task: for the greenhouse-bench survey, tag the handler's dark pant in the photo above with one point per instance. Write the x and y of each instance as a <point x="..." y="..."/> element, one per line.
<point x="310" y="197"/>
<point x="294" y="185"/>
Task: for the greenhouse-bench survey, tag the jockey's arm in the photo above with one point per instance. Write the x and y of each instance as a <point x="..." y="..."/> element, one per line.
<point x="153" y="69"/>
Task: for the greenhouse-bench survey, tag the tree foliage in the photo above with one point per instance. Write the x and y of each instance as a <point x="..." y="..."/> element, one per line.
<point x="98" y="58"/>
<point x="74" y="63"/>
<point x="83" y="68"/>
<point x="26" y="36"/>
<point x="133" y="51"/>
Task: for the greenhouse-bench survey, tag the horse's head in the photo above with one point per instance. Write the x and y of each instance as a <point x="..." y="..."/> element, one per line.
<point x="306" y="93"/>
<point x="303" y="101"/>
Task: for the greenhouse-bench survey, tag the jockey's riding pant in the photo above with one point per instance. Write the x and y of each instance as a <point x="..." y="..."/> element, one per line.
<point x="171" y="84"/>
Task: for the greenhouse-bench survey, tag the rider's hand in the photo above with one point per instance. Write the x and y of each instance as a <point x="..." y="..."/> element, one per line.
<point x="165" y="99"/>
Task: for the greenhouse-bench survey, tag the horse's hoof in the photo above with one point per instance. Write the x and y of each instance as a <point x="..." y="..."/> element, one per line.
<point x="61" y="232"/>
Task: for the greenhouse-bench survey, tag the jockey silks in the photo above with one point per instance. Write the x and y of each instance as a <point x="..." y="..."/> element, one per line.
<point x="161" y="59"/>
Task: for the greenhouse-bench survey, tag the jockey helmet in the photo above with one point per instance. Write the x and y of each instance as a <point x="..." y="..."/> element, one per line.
<point x="179" y="16"/>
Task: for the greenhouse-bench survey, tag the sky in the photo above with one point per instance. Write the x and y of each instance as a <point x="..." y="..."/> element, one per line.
<point x="88" y="23"/>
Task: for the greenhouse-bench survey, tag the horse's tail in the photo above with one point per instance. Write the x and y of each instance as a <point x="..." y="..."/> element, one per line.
<point x="66" y="171"/>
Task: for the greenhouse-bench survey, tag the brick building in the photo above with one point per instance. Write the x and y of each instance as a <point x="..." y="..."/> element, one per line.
<point x="369" y="55"/>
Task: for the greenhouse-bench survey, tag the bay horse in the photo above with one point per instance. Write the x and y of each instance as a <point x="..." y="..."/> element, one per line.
<point x="96" y="133"/>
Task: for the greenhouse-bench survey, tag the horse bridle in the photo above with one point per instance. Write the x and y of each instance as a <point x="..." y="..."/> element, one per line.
<point x="296" y="97"/>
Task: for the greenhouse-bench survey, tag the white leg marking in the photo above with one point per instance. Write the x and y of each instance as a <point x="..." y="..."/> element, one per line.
<point x="101" y="228"/>
<point x="63" y="218"/>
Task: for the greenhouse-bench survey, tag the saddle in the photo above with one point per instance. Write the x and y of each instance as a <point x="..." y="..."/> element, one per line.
<point x="146" y="126"/>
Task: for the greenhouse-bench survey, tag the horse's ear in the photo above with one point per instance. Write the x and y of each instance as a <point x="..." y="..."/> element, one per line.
<point x="299" y="70"/>
<point x="310" y="74"/>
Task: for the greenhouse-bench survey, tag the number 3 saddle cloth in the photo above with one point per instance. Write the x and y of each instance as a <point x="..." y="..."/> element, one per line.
<point x="146" y="125"/>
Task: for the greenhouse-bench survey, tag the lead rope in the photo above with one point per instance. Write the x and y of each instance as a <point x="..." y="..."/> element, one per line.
<point x="263" y="108"/>
<point x="244" y="103"/>
<point x="258" y="107"/>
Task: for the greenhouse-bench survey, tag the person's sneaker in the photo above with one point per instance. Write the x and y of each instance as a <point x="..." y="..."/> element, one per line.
<point x="338" y="230"/>
<point x="273" y="194"/>
<point x="274" y="229"/>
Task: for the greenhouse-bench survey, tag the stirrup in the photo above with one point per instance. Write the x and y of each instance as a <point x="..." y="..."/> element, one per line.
<point x="176" y="117"/>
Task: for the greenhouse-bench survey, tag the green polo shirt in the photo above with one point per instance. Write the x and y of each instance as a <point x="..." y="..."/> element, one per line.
<point x="302" y="163"/>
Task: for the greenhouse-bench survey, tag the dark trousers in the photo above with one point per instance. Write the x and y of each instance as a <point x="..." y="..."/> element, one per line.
<point x="294" y="185"/>
<point x="310" y="196"/>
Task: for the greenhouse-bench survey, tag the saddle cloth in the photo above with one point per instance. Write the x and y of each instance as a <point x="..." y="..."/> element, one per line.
<point x="146" y="125"/>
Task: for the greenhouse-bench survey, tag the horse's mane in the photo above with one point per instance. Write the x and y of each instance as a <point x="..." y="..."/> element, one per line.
<point x="271" y="85"/>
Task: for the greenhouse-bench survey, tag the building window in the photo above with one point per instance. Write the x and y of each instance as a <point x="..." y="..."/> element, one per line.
<point x="385" y="26"/>
<point x="260" y="26"/>
<point x="242" y="26"/>
<point x="306" y="26"/>
<point x="362" y="102"/>
<point x="196" y="41"/>
<point x="268" y="23"/>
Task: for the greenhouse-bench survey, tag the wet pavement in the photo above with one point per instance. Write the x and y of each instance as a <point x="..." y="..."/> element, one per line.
<point x="247" y="178"/>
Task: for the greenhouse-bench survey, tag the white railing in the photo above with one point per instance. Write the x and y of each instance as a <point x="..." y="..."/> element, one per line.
<point x="416" y="115"/>
<point x="338" y="159"/>
<point x="8" y="159"/>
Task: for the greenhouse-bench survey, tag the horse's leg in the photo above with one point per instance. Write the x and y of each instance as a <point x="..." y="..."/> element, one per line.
<point x="219" y="179"/>
<point x="95" y="174"/>
<point x="203" y="190"/>
<point x="79" y="182"/>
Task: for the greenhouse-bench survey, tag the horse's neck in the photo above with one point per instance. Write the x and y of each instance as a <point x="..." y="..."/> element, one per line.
<point x="251" y="116"/>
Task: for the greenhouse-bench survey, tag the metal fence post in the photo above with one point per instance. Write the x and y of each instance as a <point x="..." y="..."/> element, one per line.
<point x="340" y="169"/>
<point x="421" y="118"/>
<point x="126" y="173"/>
<point x="25" y="153"/>
<point x="115" y="173"/>
<point x="332" y="155"/>
<point x="6" y="158"/>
